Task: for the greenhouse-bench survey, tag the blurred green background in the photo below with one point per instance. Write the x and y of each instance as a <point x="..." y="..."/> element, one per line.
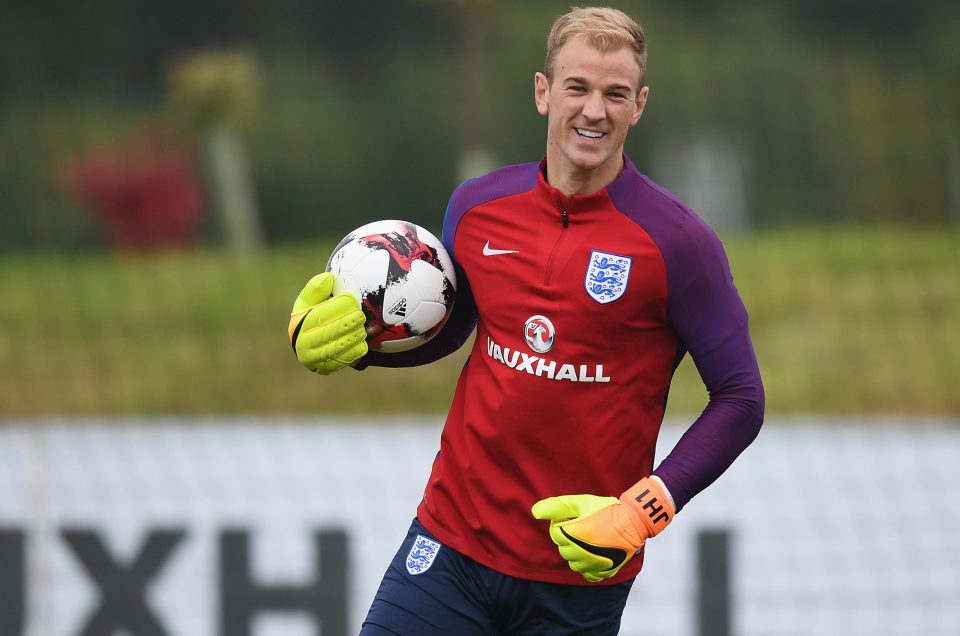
<point x="172" y="173"/>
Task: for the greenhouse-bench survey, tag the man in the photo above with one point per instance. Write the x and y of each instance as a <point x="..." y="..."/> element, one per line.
<point x="587" y="284"/>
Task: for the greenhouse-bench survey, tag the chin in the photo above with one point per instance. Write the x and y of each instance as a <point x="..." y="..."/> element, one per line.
<point x="589" y="162"/>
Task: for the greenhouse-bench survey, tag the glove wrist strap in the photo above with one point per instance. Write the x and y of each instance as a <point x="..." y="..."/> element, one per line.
<point x="652" y="506"/>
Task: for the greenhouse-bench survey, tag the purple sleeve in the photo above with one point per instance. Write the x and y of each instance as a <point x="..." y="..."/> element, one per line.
<point x="706" y="311"/>
<point x="450" y="338"/>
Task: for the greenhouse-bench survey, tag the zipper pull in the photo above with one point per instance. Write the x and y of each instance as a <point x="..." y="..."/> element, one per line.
<point x="563" y="216"/>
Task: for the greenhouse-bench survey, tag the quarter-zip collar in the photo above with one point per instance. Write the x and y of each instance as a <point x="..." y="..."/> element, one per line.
<point x="577" y="202"/>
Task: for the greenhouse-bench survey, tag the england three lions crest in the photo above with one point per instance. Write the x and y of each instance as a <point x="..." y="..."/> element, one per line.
<point x="421" y="555"/>
<point x="607" y="276"/>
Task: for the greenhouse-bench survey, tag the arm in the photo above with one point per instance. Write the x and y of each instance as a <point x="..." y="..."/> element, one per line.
<point x="598" y="535"/>
<point x="708" y="315"/>
<point x="450" y="338"/>
<point x="327" y="331"/>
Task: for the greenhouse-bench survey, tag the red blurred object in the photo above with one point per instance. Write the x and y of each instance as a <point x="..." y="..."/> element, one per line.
<point x="145" y="190"/>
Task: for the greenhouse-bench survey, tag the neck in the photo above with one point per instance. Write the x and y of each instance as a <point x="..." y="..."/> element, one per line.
<point x="570" y="179"/>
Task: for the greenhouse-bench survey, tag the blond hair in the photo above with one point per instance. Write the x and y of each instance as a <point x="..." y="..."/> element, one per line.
<point x="604" y="28"/>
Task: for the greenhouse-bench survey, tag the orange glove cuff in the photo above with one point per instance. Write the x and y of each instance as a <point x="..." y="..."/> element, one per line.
<point x="651" y="506"/>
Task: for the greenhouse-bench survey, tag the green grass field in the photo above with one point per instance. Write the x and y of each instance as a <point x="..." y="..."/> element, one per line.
<point x="845" y="322"/>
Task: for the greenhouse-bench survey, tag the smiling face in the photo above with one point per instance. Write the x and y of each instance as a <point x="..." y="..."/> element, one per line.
<point x="590" y="103"/>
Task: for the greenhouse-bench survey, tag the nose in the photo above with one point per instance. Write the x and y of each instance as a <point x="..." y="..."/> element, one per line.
<point x="595" y="109"/>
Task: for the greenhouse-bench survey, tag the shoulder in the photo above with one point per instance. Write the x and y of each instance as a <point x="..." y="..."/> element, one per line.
<point x="504" y="182"/>
<point x="670" y="223"/>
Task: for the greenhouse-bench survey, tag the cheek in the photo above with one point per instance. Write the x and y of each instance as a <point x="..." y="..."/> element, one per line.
<point x="556" y="118"/>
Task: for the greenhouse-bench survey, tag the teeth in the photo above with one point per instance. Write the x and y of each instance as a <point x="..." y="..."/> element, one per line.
<point x="592" y="134"/>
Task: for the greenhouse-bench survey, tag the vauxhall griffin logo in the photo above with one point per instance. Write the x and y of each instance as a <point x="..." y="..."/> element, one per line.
<point x="539" y="333"/>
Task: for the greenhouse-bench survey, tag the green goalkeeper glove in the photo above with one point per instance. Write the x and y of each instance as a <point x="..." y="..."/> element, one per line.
<point x="598" y="535"/>
<point x="327" y="332"/>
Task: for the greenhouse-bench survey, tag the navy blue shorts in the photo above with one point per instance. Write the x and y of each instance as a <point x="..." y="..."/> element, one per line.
<point x="430" y="589"/>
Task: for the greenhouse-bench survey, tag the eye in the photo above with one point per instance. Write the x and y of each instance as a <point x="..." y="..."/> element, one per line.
<point x="576" y="89"/>
<point x="616" y="95"/>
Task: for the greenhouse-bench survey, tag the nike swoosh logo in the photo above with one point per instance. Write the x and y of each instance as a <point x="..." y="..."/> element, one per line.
<point x="489" y="251"/>
<point x="616" y="555"/>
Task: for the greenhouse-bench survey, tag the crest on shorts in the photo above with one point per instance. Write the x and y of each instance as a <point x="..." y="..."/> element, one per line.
<point x="607" y="276"/>
<point x="422" y="554"/>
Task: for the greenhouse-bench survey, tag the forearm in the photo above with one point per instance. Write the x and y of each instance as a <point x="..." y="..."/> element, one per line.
<point x="455" y="332"/>
<point x="729" y="423"/>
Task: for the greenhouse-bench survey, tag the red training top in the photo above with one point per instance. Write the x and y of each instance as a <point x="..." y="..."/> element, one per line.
<point x="583" y="306"/>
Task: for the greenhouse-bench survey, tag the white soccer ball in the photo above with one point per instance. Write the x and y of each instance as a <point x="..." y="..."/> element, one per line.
<point x="403" y="278"/>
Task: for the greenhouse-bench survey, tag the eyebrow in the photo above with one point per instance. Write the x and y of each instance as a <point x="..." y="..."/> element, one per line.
<point x="615" y="87"/>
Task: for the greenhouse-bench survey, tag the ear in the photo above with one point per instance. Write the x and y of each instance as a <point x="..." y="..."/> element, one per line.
<point x="541" y="91"/>
<point x="641" y="103"/>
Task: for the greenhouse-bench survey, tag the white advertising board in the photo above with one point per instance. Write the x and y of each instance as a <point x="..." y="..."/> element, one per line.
<point x="836" y="529"/>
